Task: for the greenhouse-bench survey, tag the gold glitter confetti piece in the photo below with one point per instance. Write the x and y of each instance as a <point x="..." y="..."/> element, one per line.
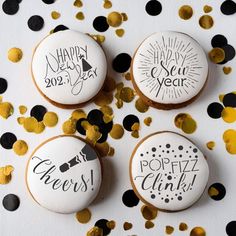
<point x="189" y="125"/>
<point x="127" y="94"/>
<point x="92" y="134"/>
<point x="22" y="109"/>
<point x="210" y="145"/>
<point x="50" y="119"/>
<point x="149" y="224"/>
<point x="78" y="3"/>
<point x="69" y="126"/>
<point x="102" y="149"/>
<point x="147" y="121"/>
<point x="120" y="32"/>
<point x="216" y="55"/>
<point x="6" y="109"/>
<point x="169" y="229"/>
<point x="227" y="70"/>
<point x="198" y="231"/>
<point x="103" y="99"/>
<point x="213" y="192"/>
<point x="95" y="231"/>
<point x="30" y="124"/>
<point x="183" y="226"/>
<point x="106" y="110"/>
<point x="39" y="128"/>
<point x="111" y="224"/>
<point x="110" y="85"/>
<point x="20" y="147"/>
<point x="135" y="126"/>
<point x="206" y="22"/>
<point x="124" y="16"/>
<point x="180" y="118"/>
<point x="229" y="114"/>
<point x="135" y="134"/>
<point x="149" y="213"/>
<point x="79" y="16"/>
<point x="185" y="12"/>
<point x="55" y="15"/>
<point x="114" y="19"/>
<point x="107" y="4"/>
<point x="117" y="131"/>
<point x="119" y="103"/>
<point x="83" y="216"/>
<point x="107" y="118"/>
<point x="127" y="76"/>
<point x="207" y="9"/>
<point x="127" y="226"/>
<point x="21" y="120"/>
<point x="15" y="54"/>
<point x="5" y="174"/>
<point x="78" y="114"/>
<point x="141" y="106"/>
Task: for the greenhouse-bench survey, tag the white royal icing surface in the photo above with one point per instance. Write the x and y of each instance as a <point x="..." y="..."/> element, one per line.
<point x="169" y="171"/>
<point x="59" y="188"/>
<point x="69" y="67"/>
<point x="170" y="67"/>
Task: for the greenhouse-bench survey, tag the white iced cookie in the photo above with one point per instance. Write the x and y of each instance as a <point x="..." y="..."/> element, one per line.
<point x="168" y="171"/>
<point x="69" y="68"/>
<point x="169" y="70"/>
<point x="64" y="174"/>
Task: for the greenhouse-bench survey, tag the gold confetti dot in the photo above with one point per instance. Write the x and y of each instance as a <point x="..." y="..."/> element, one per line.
<point x="78" y="114"/>
<point x="169" y="229"/>
<point x="99" y="38"/>
<point x="80" y="15"/>
<point x="127" y="226"/>
<point x="114" y="19"/>
<point x="69" y="126"/>
<point x="117" y="131"/>
<point x="135" y="126"/>
<point x="83" y="216"/>
<point x="111" y="224"/>
<point x="210" y="145"/>
<point x="111" y="152"/>
<point x="92" y="132"/>
<point x="185" y="12"/>
<point x="229" y="136"/>
<point x="135" y="134"/>
<point x="149" y="213"/>
<point x="127" y="94"/>
<point x="149" y="224"/>
<point x="78" y="3"/>
<point x="198" y="231"/>
<point x="103" y="149"/>
<point x="216" y="55"/>
<point x="141" y="106"/>
<point x="6" y="109"/>
<point x="6" y="174"/>
<point x="213" y="192"/>
<point x="183" y="226"/>
<point x="20" y="120"/>
<point x="95" y="231"/>
<point x="229" y="114"/>
<point x="50" y="119"/>
<point x="15" y="55"/>
<point x="207" y="9"/>
<point x="227" y="70"/>
<point x="30" y="124"/>
<point x="206" y="22"/>
<point x="55" y="15"/>
<point x="103" y="99"/>
<point x="22" y="109"/>
<point x="107" y="4"/>
<point x="39" y="128"/>
<point x="180" y="118"/>
<point x="124" y="16"/>
<point x="127" y="76"/>
<point x="189" y="126"/>
<point x="20" y="147"/>
<point x="107" y="118"/>
<point x="106" y="110"/>
<point x="120" y="32"/>
<point x="147" y="121"/>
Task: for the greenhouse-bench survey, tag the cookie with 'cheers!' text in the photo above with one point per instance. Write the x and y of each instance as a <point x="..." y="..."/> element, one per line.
<point x="69" y="68"/>
<point x="168" y="171"/>
<point x="64" y="174"/>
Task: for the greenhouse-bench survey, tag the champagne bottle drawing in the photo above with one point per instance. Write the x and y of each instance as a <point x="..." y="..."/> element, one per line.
<point x="86" y="154"/>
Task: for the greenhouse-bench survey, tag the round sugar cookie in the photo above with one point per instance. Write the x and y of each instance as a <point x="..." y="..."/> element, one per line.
<point x="169" y="70"/>
<point x="168" y="171"/>
<point x="69" y="68"/>
<point x="64" y="174"/>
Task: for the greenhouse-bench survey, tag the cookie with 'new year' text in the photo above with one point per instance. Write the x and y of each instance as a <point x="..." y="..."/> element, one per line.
<point x="168" y="171"/>
<point x="169" y="70"/>
<point x="69" y="68"/>
<point x="64" y="174"/>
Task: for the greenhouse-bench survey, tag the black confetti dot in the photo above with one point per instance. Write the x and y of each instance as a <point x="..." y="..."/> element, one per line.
<point x="214" y="110"/>
<point x="121" y="63"/>
<point x="103" y="138"/>
<point x="219" y="41"/>
<point x="228" y="7"/>
<point x="95" y="117"/>
<point x="153" y="8"/>
<point x="102" y="224"/>
<point x="11" y="202"/>
<point x="130" y="199"/>
<point x="229" y="100"/>
<point x="60" y="28"/>
<point x="35" y="23"/>
<point x="10" y="7"/>
<point x="129" y="120"/>
<point x="100" y="24"/>
<point x="3" y="85"/>
<point x="231" y="228"/>
<point x="48" y="1"/>
<point x="79" y="127"/>
<point x="7" y="140"/>
<point x="221" y="191"/>
<point x="229" y="52"/>
<point x="38" y="112"/>
<point x="105" y="127"/>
